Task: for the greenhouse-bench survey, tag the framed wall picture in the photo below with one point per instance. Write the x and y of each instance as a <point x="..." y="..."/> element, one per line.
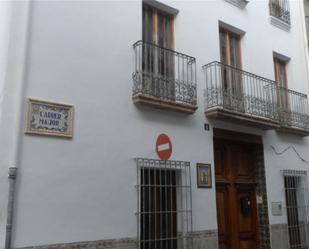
<point x="203" y="172"/>
<point x="49" y="119"/>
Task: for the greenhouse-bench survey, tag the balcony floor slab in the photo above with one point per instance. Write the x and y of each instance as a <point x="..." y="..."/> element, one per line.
<point x="142" y="99"/>
<point x="241" y="118"/>
<point x="294" y="130"/>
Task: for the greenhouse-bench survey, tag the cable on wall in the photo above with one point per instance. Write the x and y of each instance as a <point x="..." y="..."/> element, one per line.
<point x="289" y="147"/>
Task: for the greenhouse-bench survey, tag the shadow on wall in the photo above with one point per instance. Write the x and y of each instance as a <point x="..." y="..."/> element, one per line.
<point x="167" y="117"/>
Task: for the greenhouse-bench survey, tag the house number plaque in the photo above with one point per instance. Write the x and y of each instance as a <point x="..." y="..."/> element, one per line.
<point x="50" y="119"/>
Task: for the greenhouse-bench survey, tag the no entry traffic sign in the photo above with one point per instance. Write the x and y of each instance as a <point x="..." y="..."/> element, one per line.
<point x="163" y="147"/>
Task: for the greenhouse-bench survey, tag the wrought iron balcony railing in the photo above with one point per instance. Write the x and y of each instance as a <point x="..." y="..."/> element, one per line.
<point x="243" y="96"/>
<point x="293" y="109"/>
<point x="164" y="75"/>
<point x="240" y="92"/>
<point x="280" y="9"/>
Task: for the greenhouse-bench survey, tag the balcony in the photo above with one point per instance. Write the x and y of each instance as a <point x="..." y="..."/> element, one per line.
<point x="242" y="97"/>
<point x="164" y="78"/>
<point x="293" y="111"/>
<point x="280" y="9"/>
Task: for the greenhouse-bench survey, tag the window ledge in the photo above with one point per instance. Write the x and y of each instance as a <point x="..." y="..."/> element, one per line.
<point x="279" y="23"/>
<point x="238" y="3"/>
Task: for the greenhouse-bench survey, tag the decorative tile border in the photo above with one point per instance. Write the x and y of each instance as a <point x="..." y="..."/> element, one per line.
<point x="49" y="118"/>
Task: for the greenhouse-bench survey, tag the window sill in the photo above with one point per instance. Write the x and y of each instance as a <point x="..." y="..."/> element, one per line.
<point x="279" y="23"/>
<point x="238" y="3"/>
<point x="146" y="100"/>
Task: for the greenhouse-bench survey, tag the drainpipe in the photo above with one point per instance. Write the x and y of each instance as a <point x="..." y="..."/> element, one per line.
<point x="9" y="219"/>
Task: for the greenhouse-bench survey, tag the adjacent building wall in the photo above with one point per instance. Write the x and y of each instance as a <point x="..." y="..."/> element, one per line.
<point x="14" y="28"/>
<point x="80" y="53"/>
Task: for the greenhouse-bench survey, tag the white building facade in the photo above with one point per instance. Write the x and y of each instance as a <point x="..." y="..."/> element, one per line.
<point x="88" y="87"/>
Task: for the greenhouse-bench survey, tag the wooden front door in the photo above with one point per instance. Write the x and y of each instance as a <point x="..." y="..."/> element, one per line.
<point x="235" y="166"/>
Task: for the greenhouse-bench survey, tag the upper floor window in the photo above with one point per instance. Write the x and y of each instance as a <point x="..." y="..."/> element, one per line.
<point x="280" y="72"/>
<point x="282" y="84"/>
<point x="230" y="48"/>
<point x="280" y="9"/>
<point x="230" y="57"/>
<point x="163" y="78"/>
<point x="158" y="27"/>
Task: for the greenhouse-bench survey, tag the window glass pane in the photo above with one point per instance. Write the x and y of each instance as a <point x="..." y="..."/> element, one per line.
<point x="147" y="24"/>
<point x="280" y="73"/>
<point x="234" y="51"/>
<point x="160" y="30"/>
<point x="168" y="30"/>
<point x="223" y="46"/>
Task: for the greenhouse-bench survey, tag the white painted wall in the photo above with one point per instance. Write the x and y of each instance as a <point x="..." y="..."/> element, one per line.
<point x="81" y="53"/>
<point x="14" y="16"/>
<point x="5" y="14"/>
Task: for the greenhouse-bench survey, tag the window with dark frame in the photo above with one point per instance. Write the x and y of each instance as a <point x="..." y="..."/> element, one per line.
<point x="281" y="81"/>
<point x="158" y="205"/>
<point x="230" y="56"/>
<point x="158" y="60"/>
<point x="230" y="48"/>
<point x="163" y="77"/>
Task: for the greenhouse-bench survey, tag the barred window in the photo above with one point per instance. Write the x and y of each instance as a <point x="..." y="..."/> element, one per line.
<point x="164" y="208"/>
<point x="297" y="208"/>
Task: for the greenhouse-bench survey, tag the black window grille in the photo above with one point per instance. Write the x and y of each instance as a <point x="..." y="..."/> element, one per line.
<point x="164" y="208"/>
<point x="297" y="208"/>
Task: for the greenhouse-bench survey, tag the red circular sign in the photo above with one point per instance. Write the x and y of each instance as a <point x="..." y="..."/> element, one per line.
<point x="163" y="147"/>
